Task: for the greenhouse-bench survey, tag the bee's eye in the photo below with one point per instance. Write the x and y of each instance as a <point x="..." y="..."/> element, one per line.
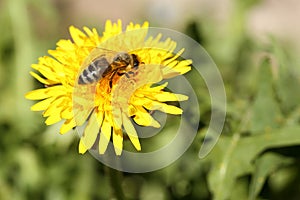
<point x="136" y="64"/>
<point x="135" y="60"/>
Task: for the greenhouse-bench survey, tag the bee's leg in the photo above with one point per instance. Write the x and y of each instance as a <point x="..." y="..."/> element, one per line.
<point x="124" y="72"/>
<point x="129" y="74"/>
<point x="135" y="67"/>
<point x="121" y="73"/>
<point x="110" y="79"/>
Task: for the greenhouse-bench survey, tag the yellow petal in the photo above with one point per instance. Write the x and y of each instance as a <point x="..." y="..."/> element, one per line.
<point x="81" y="117"/>
<point x="100" y="117"/>
<point x="108" y="25"/>
<point x="152" y="40"/>
<point x="168" y="61"/>
<point x="47" y="72"/>
<point x="56" y="107"/>
<point x="149" y="89"/>
<point x="58" y="90"/>
<point x="67" y="113"/>
<point x="168" y="96"/>
<point x="183" y="66"/>
<point x="42" y="80"/>
<point x="176" y="68"/>
<point x="52" y="119"/>
<point x="46" y="92"/>
<point x="66" y="44"/>
<point x="37" y="94"/>
<point x="143" y="118"/>
<point x="170" y="66"/>
<point x="77" y="35"/>
<point x="131" y="110"/>
<point x="145" y="24"/>
<point x="138" y="101"/>
<point x="81" y="148"/>
<point x="160" y="87"/>
<point x="112" y="29"/>
<point x="118" y="141"/>
<point x="131" y="132"/>
<point x="67" y="126"/>
<point x="90" y="132"/>
<point x="93" y="34"/>
<point x="42" y="105"/>
<point x="88" y="31"/>
<point x="54" y="112"/>
<point x="64" y="56"/>
<point x="52" y="65"/>
<point x="164" y="108"/>
<point x="104" y="135"/>
<point x="83" y="104"/>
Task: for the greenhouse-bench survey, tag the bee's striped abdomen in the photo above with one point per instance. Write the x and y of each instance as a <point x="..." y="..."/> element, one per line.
<point x="93" y="72"/>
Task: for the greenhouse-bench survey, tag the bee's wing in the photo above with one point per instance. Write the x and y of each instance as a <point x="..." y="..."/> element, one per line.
<point x="84" y="94"/>
<point x="108" y="51"/>
<point x="83" y="102"/>
<point x="122" y="92"/>
<point x="127" y="85"/>
<point x="97" y="53"/>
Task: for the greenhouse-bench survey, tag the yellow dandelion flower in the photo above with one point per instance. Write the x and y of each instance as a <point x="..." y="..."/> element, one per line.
<point x="122" y="94"/>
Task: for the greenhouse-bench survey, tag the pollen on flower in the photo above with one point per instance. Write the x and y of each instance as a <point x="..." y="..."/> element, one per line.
<point x="105" y="83"/>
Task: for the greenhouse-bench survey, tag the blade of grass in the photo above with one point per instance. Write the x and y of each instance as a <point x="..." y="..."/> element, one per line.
<point x="23" y="46"/>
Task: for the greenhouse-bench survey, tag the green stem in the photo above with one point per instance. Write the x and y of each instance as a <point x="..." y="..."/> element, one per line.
<point x="115" y="182"/>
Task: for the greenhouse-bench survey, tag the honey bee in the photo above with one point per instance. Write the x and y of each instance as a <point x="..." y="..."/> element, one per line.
<point x="101" y="67"/>
<point x="100" y="63"/>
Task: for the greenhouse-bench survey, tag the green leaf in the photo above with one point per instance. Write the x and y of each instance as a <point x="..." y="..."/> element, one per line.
<point x="265" y="110"/>
<point x="233" y="157"/>
<point x="287" y="84"/>
<point x="264" y="166"/>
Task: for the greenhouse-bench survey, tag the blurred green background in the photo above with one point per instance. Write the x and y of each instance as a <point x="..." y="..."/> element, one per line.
<point x="255" y="45"/>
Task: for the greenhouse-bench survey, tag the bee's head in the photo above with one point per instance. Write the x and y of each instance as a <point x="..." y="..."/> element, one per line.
<point x="122" y="58"/>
